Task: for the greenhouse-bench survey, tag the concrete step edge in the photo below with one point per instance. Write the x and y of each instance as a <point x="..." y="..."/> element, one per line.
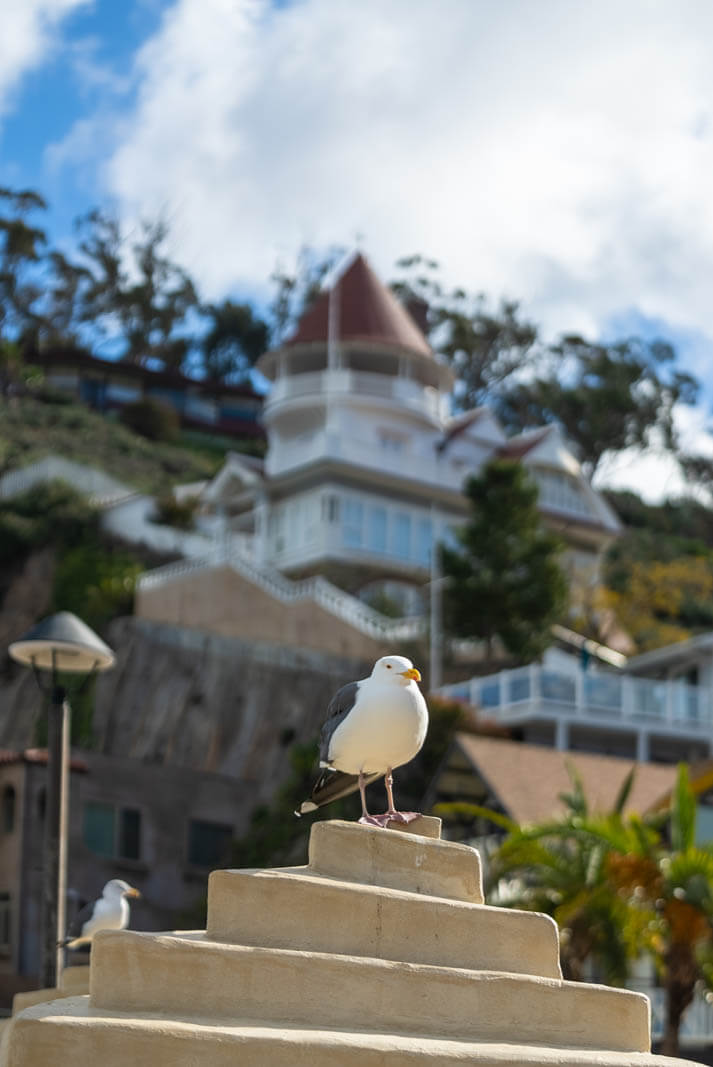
<point x="163" y="1042"/>
<point x="145" y="972"/>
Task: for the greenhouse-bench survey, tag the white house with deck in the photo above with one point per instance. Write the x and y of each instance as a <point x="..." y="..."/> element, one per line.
<point x="365" y="465"/>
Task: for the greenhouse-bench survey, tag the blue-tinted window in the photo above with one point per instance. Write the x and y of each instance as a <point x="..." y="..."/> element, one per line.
<point x="424" y="541"/>
<point x="401" y="538"/>
<point x="111" y="832"/>
<point x="99" y="828"/>
<point x="376" y="530"/>
<point x="353" y="521"/>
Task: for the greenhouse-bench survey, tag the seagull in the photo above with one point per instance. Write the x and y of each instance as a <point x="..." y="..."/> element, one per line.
<point x="372" y="726"/>
<point x="109" y="912"/>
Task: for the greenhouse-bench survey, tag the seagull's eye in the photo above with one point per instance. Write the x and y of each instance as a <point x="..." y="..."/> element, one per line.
<point x="388" y="666"/>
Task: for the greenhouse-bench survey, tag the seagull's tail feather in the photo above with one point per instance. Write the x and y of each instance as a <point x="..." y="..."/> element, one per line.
<point x="333" y="785"/>
<point x="72" y="942"/>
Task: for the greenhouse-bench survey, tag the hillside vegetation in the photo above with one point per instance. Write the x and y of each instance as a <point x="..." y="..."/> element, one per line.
<point x="32" y="427"/>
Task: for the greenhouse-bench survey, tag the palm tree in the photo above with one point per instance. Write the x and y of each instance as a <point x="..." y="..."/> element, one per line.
<point x="559" y="867"/>
<point x="673" y="879"/>
<point x="617" y="888"/>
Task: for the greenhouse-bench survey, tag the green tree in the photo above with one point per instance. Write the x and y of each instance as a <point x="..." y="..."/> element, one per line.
<point x="132" y="292"/>
<point x="21" y="252"/>
<point x="606" y="397"/>
<point x="235" y="338"/>
<point x="504" y="580"/>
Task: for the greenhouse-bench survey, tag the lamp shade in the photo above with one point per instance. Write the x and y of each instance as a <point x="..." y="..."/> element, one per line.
<point x="65" y="643"/>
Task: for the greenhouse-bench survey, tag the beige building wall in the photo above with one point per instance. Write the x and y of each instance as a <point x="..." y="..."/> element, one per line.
<point x="223" y="602"/>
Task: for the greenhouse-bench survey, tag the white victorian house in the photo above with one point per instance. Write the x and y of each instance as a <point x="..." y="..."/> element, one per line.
<point x="365" y="464"/>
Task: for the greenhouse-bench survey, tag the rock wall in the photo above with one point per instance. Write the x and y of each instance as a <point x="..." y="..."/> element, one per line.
<point x="190" y="698"/>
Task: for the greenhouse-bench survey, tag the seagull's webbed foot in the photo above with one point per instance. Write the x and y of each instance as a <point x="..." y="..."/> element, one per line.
<point x="400" y="816"/>
<point x="374" y="820"/>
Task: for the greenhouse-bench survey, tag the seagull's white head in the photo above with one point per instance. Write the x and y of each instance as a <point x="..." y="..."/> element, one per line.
<point x="118" y="888"/>
<point x="396" y="670"/>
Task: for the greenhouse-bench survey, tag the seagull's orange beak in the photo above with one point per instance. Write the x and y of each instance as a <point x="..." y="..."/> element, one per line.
<point x="412" y="673"/>
<point x="133" y="893"/>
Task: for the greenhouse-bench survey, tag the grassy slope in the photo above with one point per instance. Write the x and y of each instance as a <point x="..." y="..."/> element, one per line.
<point x="31" y="429"/>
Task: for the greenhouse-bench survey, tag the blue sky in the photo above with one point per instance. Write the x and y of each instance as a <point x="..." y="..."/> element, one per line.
<point x="556" y="153"/>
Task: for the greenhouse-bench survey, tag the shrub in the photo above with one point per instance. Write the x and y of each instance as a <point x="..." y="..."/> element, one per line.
<point x="152" y="419"/>
<point x="178" y="513"/>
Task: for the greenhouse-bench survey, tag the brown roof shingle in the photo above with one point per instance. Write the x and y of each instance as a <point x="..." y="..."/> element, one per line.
<point x="367" y="311"/>
<point x="528" y="779"/>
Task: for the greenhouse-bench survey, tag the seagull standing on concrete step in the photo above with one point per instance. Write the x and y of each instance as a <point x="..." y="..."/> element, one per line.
<point x="372" y="726"/>
<point x="109" y="912"/>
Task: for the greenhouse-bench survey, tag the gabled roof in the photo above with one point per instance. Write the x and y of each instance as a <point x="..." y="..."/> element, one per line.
<point x="519" y="446"/>
<point x="528" y="779"/>
<point x="460" y="424"/>
<point x="366" y="310"/>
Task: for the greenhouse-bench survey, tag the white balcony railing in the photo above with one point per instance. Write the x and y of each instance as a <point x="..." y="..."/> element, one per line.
<point x="335" y="383"/>
<point x="422" y="467"/>
<point x="515" y="695"/>
<point x="317" y="589"/>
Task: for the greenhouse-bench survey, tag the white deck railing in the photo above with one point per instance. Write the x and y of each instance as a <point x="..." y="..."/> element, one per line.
<point x="317" y="589"/>
<point x="511" y="696"/>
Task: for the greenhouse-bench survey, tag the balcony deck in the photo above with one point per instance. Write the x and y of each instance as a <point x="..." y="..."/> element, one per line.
<point x="612" y="701"/>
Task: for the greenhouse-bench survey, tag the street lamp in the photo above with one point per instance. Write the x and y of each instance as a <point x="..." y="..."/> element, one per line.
<point x="61" y="644"/>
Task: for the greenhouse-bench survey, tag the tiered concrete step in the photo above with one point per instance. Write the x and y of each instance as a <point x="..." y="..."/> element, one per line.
<point x="71" y="1032"/>
<point x="381" y="946"/>
<point x="292" y="910"/>
<point x="135" y="972"/>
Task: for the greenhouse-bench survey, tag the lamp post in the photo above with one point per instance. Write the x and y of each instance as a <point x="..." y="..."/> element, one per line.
<point x="59" y="645"/>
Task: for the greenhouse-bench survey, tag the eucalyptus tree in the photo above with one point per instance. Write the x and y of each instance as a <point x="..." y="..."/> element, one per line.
<point x="606" y="397"/>
<point x="22" y="251"/>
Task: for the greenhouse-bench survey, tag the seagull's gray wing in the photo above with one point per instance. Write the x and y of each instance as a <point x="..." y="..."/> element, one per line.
<point x="331" y="784"/>
<point x="339" y="707"/>
<point x="74" y="930"/>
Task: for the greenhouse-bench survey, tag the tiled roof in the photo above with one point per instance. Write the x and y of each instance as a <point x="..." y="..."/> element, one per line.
<point x="36" y="755"/>
<point x="366" y="311"/>
<point x="528" y="779"/>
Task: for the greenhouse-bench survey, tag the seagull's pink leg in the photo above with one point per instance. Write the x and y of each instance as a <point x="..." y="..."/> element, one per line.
<point x="392" y="815"/>
<point x="370" y="820"/>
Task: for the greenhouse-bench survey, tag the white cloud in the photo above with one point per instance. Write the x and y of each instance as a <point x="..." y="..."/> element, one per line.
<point x="29" y="31"/>
<point x="653" y="473"/>
<point x="559" y="153"/>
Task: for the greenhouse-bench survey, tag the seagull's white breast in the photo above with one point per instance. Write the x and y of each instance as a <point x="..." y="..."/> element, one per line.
<point x="109" y="914"/>
<point x="385" y="728"/>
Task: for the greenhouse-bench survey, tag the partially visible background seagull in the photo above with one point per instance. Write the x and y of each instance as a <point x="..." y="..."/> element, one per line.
<point x="109" y="912"/>
<point x="373" y="725"/>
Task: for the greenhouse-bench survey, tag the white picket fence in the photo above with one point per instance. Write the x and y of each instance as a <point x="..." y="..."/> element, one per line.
<point x="101" y="489"/>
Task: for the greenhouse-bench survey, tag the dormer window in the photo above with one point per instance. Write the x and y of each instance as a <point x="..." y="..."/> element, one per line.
<point x="561" y="491"/>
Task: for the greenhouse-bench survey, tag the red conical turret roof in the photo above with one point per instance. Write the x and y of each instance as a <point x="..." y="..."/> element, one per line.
<point x="366" y="311"/>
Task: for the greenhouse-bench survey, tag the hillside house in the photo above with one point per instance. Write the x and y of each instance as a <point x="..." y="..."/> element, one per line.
<point x="219" y="408"/>
<point x="365" y="465"/>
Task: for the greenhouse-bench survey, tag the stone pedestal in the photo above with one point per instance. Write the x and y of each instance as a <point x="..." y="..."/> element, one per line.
<point x="380" y="947"/>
